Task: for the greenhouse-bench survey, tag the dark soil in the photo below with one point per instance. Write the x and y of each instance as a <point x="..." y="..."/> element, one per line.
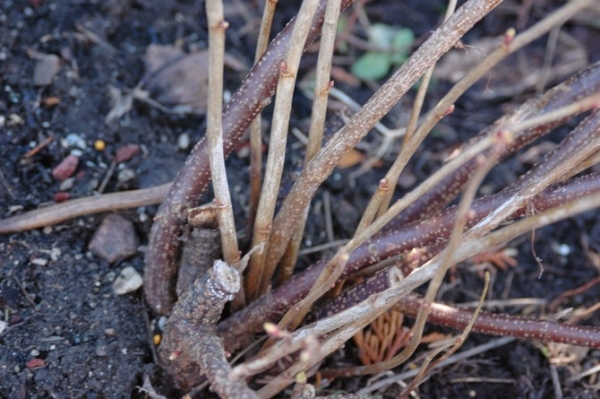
<point x="70" y="336"/>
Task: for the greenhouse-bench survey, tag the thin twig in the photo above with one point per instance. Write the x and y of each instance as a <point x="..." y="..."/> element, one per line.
<point x="214" y="132"/>
<point x="256" y="283"/>
<point x="452" y="360"/>
<point x="317" y="124"/>
<point x="428" y="364"/>
<point x="255" y="169"/>
<point x="54" y="214"/>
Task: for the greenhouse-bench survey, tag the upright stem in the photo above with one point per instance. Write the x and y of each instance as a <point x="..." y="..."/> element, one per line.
<point x="317" y="123"/>
<point x="256" y="283"/>
<point x="256" y="126"/>
<point x="216" y="51"/>
<point x="253" y="95"/>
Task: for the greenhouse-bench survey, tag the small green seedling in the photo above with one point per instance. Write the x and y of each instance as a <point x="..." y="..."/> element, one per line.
<point x="393" y="44"/>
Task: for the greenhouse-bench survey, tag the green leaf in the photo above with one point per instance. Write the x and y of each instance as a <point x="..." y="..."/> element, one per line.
<point x="401" y="42"/>
<point x="372" y="66"/>
<point x="342" y="47"/>
<point x="381" y="35"/>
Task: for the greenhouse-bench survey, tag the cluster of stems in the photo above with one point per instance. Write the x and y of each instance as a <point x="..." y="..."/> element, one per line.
<point x="409" y="242"/>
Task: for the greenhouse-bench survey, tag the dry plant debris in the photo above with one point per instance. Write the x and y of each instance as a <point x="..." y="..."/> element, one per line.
<point x="174" y="82"/>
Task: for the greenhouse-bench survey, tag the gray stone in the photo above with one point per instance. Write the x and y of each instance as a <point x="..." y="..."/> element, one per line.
<point x="115" y="239"/>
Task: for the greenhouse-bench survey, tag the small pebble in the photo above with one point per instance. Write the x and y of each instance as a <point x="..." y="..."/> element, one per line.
<point x="183" y="141"/>
<point x="46" y="68"/>
<point x="35" y="363"/>
<point x="127" y="152"/>
<point x="39" y="261"/>
<point x="73" y="140"/>
<point x="93" y="184"/>
<point x="34" y="353"/>
<point x="55" y="253"/>
<point x="115" y="239"/>
<point x="3" y="326"/>
<point x="161" y="323"/>
<point x="76" y="152"/>
<point x="127" y="281"/>
<point x="15" y="119"/>
<point x="126" y="175"/>
<point x="561" y="249"/>
<point x="65" y="168"/>
<point x="61" y="196"/>
<point x="67" y="184"/>
<point x="101" y="349"/>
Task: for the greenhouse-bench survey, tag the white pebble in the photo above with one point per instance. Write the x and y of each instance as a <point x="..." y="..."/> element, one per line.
<point x="561" y="249"/>
<point x="127" y="281"/>
<point x="76" y="153"/>
<point x="55" y="253"/>
<point x="67" y="184"/>
<point x="126" y="175"/>
<point x="73" y="140"/>
<point x="39" y="261"/>
<point x="183" y="141"/>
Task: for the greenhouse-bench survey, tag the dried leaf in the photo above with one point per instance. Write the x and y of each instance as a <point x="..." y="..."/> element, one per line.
<point x="353" y="158"/>
<point x="176" y="80"/>
<point x="121" y="104"/>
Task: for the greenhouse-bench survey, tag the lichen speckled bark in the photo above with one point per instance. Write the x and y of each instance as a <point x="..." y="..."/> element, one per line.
<point x="239" y="328"/>
<point x="193" y="179"/>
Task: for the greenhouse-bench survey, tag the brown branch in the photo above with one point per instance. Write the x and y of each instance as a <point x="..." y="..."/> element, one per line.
<point x="192" y="180"/>
<point x="505" y="325"/>
<point x="238" y="329"/>
<point x="54" y="214"/>
<point x="190" y="345"/>
<point x="493" y="324"/>
<point x="255" y="168"/>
